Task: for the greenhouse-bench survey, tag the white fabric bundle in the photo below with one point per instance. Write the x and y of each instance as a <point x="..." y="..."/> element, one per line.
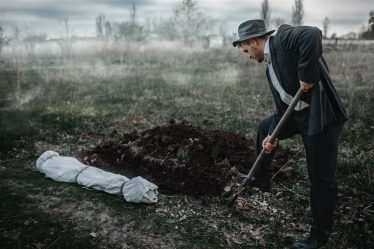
<point x="69" y="169"/>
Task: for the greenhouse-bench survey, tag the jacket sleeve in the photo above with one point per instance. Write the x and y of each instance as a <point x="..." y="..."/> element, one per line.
<point x="307" y="43"/>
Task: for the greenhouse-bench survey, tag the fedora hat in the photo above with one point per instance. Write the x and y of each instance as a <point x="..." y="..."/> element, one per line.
<point x="250" y="29"/>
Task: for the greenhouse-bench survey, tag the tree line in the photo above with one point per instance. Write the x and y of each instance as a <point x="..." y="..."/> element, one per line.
<point x="187" y="23"/>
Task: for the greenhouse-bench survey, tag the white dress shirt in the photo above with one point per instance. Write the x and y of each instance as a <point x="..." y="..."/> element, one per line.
<point x="286" y="98"/>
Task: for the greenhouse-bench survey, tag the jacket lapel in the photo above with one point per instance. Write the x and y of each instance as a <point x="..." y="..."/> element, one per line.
<point x="275" y="65"/>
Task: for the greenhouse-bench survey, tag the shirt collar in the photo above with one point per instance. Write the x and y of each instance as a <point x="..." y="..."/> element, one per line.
<point x="267" y="56"/>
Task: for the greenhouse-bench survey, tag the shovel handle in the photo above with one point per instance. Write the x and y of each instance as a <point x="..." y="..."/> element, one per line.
<point x="285" y="116"/>
<point x="272" y="138"/>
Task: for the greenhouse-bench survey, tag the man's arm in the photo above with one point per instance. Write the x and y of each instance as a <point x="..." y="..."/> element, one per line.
<point x="307" y="41"/>
<point x="309" y="44"/>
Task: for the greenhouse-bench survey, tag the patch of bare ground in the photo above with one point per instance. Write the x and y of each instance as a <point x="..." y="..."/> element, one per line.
<point x="173" y="222"/>
<point x="108" y="228"/>
<point x="180" y="158"/>
<point x="258" y="220"/>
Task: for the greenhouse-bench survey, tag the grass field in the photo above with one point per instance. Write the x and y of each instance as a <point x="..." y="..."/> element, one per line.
<point x="69" y="103"/>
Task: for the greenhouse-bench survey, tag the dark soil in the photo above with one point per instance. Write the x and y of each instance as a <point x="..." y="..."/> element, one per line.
<point x="180" y="158"/>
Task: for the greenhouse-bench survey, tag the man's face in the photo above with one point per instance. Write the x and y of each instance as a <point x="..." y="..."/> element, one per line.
<point x="253" y="50"/>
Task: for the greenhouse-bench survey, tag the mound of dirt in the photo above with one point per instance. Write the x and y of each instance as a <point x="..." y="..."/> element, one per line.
<point x="180" y="158"/>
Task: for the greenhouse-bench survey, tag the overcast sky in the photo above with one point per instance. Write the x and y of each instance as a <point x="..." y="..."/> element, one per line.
<point x="38" y="16"/>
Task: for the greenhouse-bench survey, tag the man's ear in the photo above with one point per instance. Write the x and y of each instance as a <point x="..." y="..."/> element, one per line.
<point x="253" y="42"/>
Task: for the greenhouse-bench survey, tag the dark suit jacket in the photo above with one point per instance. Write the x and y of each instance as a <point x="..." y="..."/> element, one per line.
<point x="296" y="54"/>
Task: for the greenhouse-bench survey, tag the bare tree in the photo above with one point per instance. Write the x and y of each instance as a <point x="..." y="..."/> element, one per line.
<point x="66" y="43"/>
<point x="3" y="39"/>
<point x="189" y="21"/>
<point x="16" y="32"/>
<point x="100" y="25"/>
<point x="130" y="30"/>
<point x="65" y="25"/>
<point x="297" y="13"/>
<point x="325" y="24"/>
<point x="265" y="12"/>
<point x="108" y="29"/>
<point x="31" y="40"/>
<point x="133" y="13"/>
<point x="351" y="36"/>
<point x="369" y="32"/>
<point x="165" y="29"/>
<point x="371" y="20"/>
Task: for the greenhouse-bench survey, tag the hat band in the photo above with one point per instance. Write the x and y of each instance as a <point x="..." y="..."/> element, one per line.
<point x="251" y="33"/>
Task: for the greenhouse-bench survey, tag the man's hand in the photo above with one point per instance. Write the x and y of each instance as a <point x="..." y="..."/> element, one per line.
<point x="268" y="146"/>
<point x="305" y="86"/>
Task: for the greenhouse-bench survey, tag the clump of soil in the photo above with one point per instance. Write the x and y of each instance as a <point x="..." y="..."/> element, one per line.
<point x="180" y="158"/>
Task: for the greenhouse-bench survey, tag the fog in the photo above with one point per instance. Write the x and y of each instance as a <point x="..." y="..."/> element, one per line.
<point x="43" y="16"/>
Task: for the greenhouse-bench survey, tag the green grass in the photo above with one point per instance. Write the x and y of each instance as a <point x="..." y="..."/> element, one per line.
<point x="23" y="224"/>
<point x="70" y="105"/>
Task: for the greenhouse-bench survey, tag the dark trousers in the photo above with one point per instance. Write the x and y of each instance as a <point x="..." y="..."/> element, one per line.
<point x="321" y="154"/>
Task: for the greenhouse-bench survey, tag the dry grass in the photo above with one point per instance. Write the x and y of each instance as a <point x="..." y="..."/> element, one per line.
<point x="69" y="102"/>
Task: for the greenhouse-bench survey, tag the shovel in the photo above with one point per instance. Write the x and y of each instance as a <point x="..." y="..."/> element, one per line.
<point x="272" y="138"/>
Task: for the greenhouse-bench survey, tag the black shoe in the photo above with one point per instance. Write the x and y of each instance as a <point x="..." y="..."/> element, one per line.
<point x="309" y="242"/>
<point x="262" y="183"/>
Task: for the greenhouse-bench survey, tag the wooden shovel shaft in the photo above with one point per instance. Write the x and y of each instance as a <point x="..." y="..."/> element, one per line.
<point x="272" y="138"/>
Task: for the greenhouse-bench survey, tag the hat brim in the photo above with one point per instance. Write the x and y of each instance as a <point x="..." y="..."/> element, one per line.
<point x="246" y="38"/>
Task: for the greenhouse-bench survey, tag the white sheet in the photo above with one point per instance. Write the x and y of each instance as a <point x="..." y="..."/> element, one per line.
<point x="69" y="169"/>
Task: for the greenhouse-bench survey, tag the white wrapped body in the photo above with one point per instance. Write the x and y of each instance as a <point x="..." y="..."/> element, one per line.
<point x="69" y="169"/>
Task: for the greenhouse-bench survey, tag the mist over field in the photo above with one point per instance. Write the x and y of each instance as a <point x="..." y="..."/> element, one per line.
<point x="42" y="16"/>
<point x="76" y="78"/>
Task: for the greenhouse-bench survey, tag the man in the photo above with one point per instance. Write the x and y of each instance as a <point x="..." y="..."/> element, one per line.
<point x="293" y="57"/>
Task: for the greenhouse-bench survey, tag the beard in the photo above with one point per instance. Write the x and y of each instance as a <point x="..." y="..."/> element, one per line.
<point x="261" y="59"/>
<point x="259" y="56"/>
